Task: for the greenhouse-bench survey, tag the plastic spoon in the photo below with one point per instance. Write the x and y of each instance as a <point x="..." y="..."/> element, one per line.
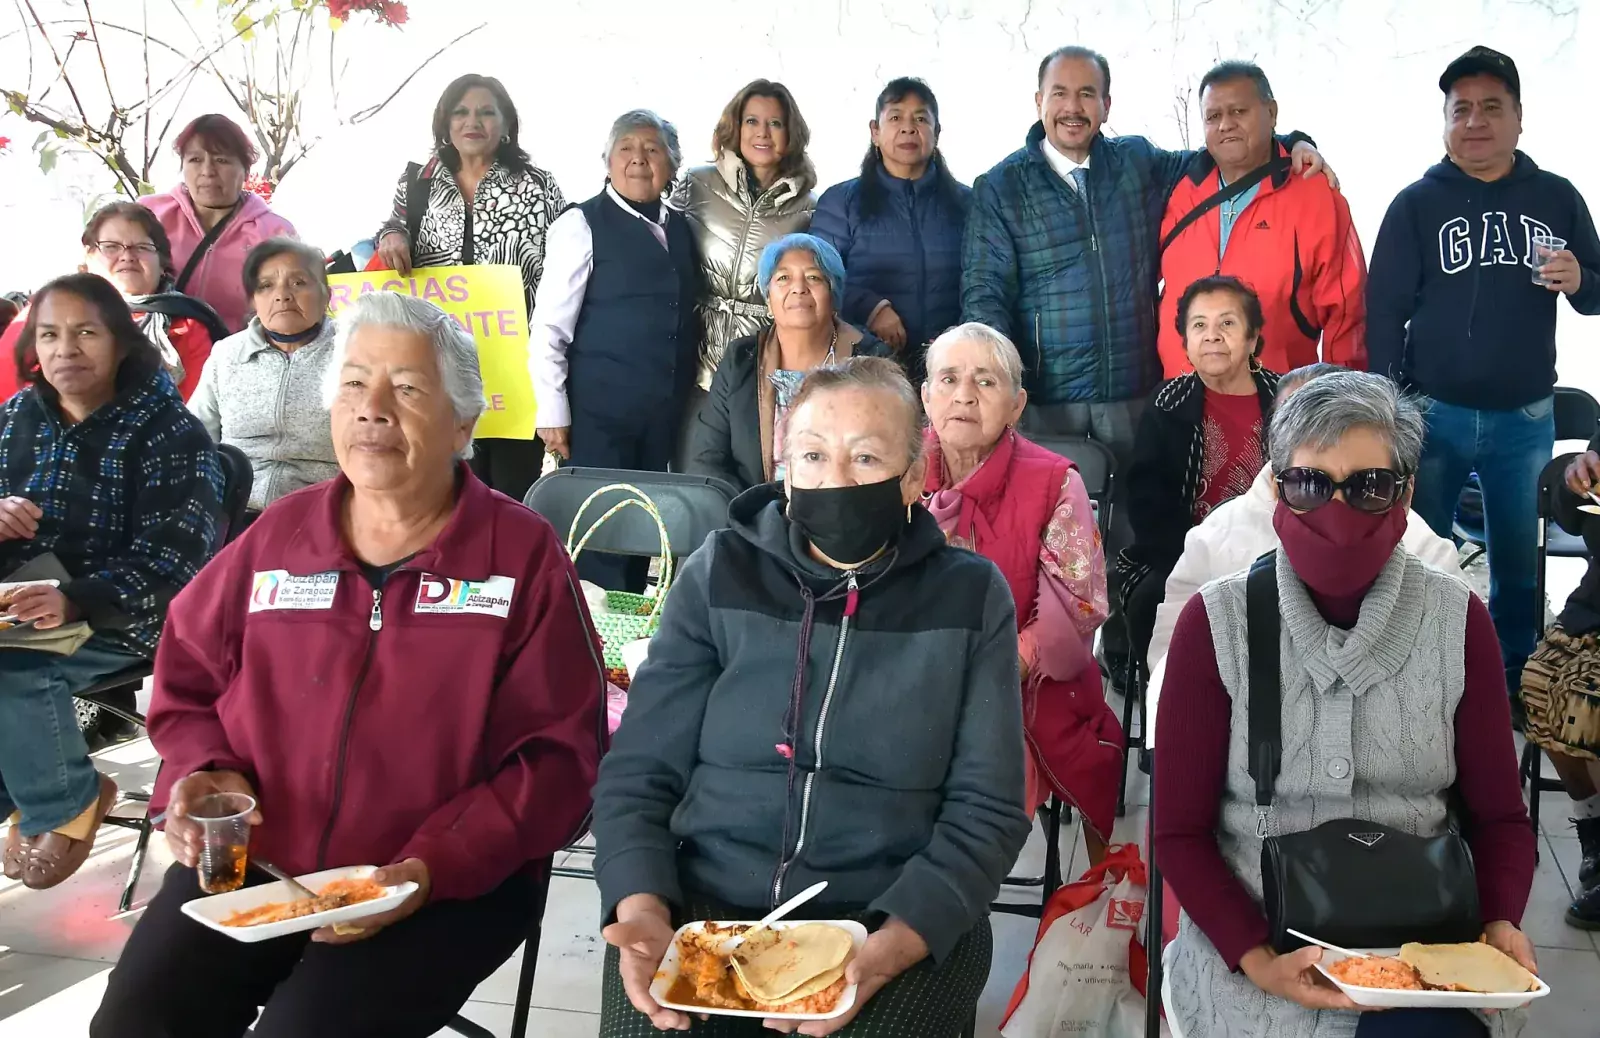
<point x="1592" y="509"/>
<point x="298" y="889"/>
<point x="1330" y="947"/>
<point x="777" y="913"/>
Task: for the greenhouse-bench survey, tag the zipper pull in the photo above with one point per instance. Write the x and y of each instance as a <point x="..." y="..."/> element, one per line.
<point x="1261" y="823"/>
<point x="852" y="598"/>
<point x="376" y="622"/>
<point x="1094" y="243"/>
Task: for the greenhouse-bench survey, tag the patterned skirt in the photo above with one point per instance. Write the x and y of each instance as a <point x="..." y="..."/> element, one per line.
<point x="1561" y="690"/>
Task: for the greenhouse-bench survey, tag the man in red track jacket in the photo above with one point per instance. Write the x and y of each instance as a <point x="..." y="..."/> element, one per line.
<point x="1290" y="238"/>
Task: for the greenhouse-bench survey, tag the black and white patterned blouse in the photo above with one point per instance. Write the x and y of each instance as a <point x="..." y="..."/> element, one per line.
<point x="510" y="213"/>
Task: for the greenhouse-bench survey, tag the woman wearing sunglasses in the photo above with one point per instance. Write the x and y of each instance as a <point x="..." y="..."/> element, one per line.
<point x="1199" y="444"/>
<point x="1392" y="692"/>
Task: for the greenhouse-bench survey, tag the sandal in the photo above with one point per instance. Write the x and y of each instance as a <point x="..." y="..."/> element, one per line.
<point x="55" y="857"/>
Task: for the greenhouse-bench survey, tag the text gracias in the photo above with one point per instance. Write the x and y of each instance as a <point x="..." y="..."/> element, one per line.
<point x="452" y="289"/>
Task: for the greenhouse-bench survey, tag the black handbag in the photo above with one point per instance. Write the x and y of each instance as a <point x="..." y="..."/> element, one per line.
<point x="1349" y="882"/>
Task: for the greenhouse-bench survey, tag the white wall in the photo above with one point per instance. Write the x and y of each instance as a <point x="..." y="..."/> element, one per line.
<point x="1359" y="75"/>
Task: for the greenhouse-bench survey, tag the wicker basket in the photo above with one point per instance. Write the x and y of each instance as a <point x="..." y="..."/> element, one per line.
<point x="632" y="616"/>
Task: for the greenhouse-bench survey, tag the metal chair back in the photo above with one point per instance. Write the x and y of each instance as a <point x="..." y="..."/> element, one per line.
<point x="238" y="478"/>
<point x="692" y="507"/>
<point x="1096" y="464"/>
<point x="1577" y="414"/>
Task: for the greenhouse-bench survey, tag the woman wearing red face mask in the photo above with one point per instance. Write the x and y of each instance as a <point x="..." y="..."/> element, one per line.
<point x="1392" y="695"/>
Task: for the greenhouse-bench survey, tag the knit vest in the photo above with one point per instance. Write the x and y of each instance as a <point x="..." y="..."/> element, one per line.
<point x="634" y="346"/>
<point x="1006" y="505"/>
<point x="1368" y="732"/>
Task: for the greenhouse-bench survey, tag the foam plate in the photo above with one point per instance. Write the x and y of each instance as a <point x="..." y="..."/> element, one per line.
<point x="1389" y="998"/>
<point x="667" y="974"/>
<point x="211" y="911"/>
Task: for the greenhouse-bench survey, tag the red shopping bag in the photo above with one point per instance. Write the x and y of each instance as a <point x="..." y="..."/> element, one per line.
<point x="1086" y="973"/>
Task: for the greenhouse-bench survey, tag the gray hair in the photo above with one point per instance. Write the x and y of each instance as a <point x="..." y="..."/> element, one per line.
<point x="308" y="256"/>
<point x="1319" y="414"/>
<point x="1004" y="352"/>
<point x="1298" y="377"/>
<point x="453" y="348"/>
<point x="645" y="119"/>
<point x="862" y="372"/>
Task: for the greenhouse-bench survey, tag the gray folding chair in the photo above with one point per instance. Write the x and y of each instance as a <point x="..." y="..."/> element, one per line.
<point x="691" y="507"/>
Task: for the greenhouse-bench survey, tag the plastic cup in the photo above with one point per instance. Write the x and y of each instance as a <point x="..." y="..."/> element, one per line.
<point x="1541" y="247"/>
<point x="224" y="840"/>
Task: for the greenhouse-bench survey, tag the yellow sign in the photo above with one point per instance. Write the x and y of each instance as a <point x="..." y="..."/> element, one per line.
<point x="487" y="301"/>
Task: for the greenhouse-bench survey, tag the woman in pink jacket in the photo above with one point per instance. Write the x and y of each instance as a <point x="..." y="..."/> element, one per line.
<point x="212" y="221"/>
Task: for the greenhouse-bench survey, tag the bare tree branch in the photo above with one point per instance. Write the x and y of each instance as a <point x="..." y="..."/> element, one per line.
<point x="372" y="110"/>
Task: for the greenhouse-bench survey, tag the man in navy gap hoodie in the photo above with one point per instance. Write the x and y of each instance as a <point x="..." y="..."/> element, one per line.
<point x="1453" y="313"/>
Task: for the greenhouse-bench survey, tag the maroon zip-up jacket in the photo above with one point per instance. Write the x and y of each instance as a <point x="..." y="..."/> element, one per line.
<point x="456" y="717"/>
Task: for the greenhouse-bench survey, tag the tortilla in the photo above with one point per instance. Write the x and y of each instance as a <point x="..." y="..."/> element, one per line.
<point x="803" y="955"/>
<point x="1468" y="967"/>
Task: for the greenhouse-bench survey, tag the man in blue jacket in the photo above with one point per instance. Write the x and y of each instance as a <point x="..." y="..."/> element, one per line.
<point x="1062" y="255"/>
<point x="1460" y="309"/>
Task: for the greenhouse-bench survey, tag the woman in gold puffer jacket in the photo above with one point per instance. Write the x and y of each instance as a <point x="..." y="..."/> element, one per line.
<point x="759" y="188"/>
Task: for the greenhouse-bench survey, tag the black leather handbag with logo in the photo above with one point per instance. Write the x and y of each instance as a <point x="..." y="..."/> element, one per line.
<point x="1348" y="882"/>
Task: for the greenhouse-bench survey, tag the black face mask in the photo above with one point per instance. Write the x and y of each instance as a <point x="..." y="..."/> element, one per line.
<point x="849" y="524"/>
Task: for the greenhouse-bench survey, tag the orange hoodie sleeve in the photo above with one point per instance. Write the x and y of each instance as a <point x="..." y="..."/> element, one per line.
<point x="1339" y="289"/>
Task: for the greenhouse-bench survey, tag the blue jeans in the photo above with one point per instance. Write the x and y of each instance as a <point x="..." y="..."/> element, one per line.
<point x="1507" y="449"/>
<point x="45" y="771"/>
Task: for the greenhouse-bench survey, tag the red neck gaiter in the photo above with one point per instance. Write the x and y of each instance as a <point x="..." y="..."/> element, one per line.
<point x="1337" y="550"/>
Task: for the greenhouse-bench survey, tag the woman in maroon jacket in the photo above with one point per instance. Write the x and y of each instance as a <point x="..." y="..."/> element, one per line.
<point x="398" y="666"/>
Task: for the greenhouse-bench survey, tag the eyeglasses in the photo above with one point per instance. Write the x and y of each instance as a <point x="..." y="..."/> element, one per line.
<point x="112" y="249"/>
<point x="1367" y="490"/>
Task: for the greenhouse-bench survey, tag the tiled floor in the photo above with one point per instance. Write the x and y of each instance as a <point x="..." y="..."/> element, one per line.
<point x="56" y="946"/>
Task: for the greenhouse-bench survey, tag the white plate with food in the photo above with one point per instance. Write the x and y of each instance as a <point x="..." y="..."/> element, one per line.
<point x="252" y="914"/>
<point x="9" y="590"/>
<point x="791" y="970"/>
<point x="1433" y="976"/>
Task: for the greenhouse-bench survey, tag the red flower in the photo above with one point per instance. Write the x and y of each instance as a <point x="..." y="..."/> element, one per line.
<point x="389" y="12"/>
<point x="5" y="142"/>
<point x="256" y="185"/>
<point x="394" y="13"/>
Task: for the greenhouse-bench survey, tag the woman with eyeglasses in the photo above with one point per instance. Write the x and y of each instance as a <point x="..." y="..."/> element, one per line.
<point x="125" y="244"/>
<point x="1200" y="442"/>
<point x="1394" y="711"/>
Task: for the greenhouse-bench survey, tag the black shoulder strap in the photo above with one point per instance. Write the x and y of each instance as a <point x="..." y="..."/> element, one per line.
<point x="1266" y="701"/>
<point x="1227" y="193"/>
<point x="416" y="203"/>
<point x="176" y="305"/>
<point x="204" y="247"/>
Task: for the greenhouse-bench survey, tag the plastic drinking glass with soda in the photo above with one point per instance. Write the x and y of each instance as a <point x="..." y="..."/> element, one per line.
<point x="224" y="840"/>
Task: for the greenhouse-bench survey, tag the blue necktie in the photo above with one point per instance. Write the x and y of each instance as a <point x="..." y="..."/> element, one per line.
<point x="1080" y="177"/>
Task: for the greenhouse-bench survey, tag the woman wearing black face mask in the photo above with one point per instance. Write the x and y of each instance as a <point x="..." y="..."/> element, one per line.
<point x="886" y="756"/>
<point x="1392" y="692"/>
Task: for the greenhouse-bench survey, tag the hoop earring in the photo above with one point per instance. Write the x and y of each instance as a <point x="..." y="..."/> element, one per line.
<point x="505" y="138"/>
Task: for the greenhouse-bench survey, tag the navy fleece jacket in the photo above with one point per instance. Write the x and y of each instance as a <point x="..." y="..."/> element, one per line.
<point x="1452" y="260"/>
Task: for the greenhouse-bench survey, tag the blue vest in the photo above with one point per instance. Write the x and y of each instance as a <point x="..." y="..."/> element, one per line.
<point x="635" y="345"/>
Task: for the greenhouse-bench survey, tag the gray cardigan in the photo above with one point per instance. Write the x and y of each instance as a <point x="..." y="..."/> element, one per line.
<point x="268" y="403"/>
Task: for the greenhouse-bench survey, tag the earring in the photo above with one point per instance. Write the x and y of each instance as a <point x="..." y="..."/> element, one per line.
<point x="505" y="138"/>
<point x="908" y="513"/>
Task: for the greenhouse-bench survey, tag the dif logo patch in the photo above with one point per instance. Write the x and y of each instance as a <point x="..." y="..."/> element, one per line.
<point x="491" y="597"/>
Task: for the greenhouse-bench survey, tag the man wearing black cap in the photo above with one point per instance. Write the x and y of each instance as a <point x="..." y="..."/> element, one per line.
<point x="1461" y="307"/>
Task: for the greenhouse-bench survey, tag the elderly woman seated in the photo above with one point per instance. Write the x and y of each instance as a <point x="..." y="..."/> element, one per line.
<point x="262" y="388"/>
<point x="739" y="433"/>
<point x="396" y="665"/>
<point x="885" y="757"/>
<point x="1393" y="711"/>
<point x="1027" y="510"/>
<point x="1199" y="443"/>
<point x="124" y="243"/>
<point x="109" y="490"/>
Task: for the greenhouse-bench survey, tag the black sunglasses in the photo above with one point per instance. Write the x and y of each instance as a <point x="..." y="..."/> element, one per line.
<point x="1368" y="490"/>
